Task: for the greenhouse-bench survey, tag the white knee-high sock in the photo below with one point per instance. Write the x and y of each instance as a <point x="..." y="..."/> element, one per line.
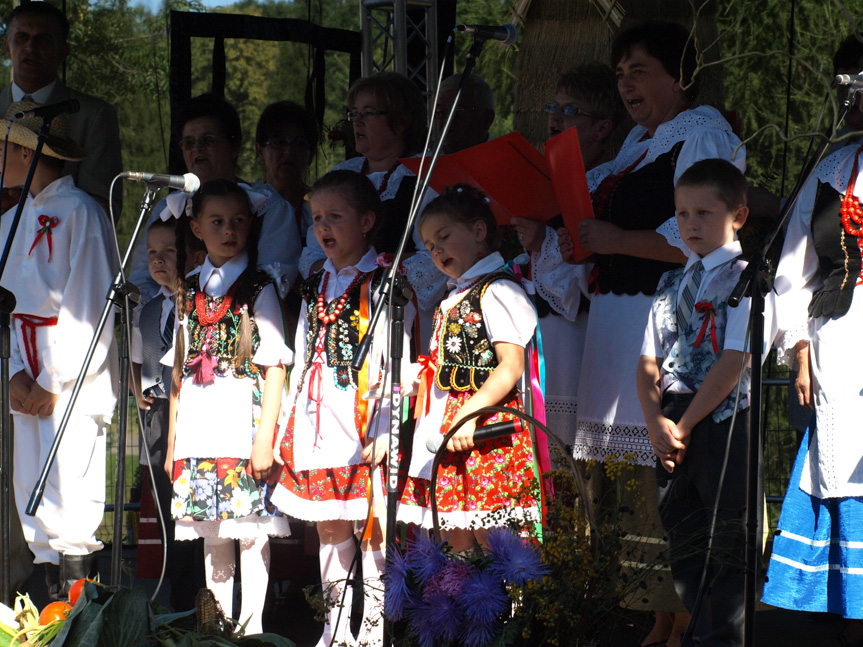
<point x="219" y="567"/>
<point x="335" y="562"/>
<point x="372" y="632"/>
<point x="255" y="567"/>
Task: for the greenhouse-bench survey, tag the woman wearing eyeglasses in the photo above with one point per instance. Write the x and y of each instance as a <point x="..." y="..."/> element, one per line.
<point x="285" y="141"/>
<point x="208" y="132"/>
<point x="388" y="115"/>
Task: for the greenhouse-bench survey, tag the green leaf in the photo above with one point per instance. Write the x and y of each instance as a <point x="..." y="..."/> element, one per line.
<point x="82" y="627"/>
<point x="265" y="640"/>
<point x="158" y="620"/>
<point x="125" y="619"/>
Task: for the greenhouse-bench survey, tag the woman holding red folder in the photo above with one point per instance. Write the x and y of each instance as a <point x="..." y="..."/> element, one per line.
<point x="634" y="238"/>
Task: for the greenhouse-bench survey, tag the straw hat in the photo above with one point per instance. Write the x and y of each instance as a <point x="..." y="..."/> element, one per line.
<point x="24" y="132"/>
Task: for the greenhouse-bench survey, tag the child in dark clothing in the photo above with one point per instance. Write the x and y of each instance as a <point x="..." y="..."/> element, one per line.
<point x="691" y="359"/>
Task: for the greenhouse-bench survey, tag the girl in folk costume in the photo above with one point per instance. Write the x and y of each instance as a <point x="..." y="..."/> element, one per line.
<point x="336" y="435"/>
<point x="477" y="357"/>
<point x="229" y="371"/>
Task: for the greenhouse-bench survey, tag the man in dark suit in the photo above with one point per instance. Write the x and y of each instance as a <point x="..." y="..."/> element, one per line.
<point x="36" y="34"/>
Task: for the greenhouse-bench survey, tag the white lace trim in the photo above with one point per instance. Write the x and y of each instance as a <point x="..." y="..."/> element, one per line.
<point x="428" y="282"/>
<point x="836" y="169"/>
<point x="671" y="232"/>
<point x="377" y="178"/>
<point x="556" y="281"/>
<point x="324" y="510"/>
<point x="786" y="341"/>
<point x="250" y="527"/>
<point x="467" y="519"/>
<point x="602" y="442"/>
<point x="702" y="119"/>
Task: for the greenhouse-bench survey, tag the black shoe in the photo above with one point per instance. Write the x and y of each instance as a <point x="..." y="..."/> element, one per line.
<point x="73" y="568"/>
<point x="52" y="580"/>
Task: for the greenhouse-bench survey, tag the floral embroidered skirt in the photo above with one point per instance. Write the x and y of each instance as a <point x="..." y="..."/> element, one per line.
<point x="493" y="483"/>
<point x="327" y="493"/>
<point x="219" y="498"/>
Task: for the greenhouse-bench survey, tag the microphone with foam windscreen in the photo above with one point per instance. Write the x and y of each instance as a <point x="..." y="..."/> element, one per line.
<point x="67" y="107"/>
<point x="188" y="183"/>
<point x="489" y="432"/>
<point x="507" y="34"/>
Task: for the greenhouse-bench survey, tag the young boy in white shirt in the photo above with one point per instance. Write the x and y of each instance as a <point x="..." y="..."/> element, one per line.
<point x="60" y="269"/>
<point x="693" y="350"/>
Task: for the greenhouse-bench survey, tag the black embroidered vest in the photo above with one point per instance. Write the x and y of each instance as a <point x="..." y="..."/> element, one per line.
<point x="394" y="217"/>
<point x="224" y="335"/>
<point x="644" y="199"/>
<point x="342" y="335"/>
<point x="465" y="356"/>
<point x="839" y="258"/>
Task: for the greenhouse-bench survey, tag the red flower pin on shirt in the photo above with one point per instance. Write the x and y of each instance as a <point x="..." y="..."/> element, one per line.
<point x="706" y="308"/>
<point x="46" y="224"/>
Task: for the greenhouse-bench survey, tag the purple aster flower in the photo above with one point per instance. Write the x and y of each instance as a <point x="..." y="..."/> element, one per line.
<point x="436" y="618"/>
<point x="398" y="594"/>
<point x="513" y="560"/>
<point x="425" y="558"/>
<point x="483" y="601"/>
<point x="452" y="577"/>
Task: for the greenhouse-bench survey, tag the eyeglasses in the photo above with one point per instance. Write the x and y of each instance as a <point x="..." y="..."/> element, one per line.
<point x="441" y="113"/>
<point x="206" y="141"/>
<point x="353" y="115"/>
<point x="283" y="144"/>
<point x="569" y="111"/>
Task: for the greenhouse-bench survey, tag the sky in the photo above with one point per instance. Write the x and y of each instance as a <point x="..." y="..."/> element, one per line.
<point x="154" y="5"/>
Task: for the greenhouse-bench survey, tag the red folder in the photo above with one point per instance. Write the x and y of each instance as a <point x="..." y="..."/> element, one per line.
<point x="520" y="181"/>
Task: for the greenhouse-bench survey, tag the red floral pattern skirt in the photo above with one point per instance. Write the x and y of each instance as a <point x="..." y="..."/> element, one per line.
<point x="326" y="493"/>
<point x="495" y="474"/>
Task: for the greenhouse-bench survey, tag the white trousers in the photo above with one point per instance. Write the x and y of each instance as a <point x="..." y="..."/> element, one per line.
<point x="74" y="500"/>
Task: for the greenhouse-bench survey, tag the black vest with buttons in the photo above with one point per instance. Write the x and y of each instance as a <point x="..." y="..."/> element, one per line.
<point x="643" y="199"/>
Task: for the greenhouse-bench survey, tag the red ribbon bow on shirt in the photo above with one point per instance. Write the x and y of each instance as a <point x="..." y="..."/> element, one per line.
<point x="426" y="375"/>
<point x="706" y="308"/>
<point x="202" y="368"/>
<point x="47" y="224"/>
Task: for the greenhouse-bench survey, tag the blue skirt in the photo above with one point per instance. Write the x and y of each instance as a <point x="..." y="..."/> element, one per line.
<point x="817" y="559"/>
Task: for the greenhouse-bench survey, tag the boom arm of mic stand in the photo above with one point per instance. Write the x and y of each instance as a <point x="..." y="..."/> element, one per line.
<point x="117" y="286"/>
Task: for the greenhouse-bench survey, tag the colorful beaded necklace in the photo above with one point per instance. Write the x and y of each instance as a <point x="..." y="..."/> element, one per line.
<point x="852" y="214"/>
<point x="334" y="311"/>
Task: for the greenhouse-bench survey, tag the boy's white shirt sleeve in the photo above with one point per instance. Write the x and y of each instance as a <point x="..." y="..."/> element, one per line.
<point x="651" y="346"/>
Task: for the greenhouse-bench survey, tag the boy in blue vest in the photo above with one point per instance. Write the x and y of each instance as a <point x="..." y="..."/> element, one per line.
<point x="691" y="359"/>
<point x="152" y="338"/>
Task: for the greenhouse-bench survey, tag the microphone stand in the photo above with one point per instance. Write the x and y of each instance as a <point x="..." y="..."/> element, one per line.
<point x="117" y="294"/>
<point x="754" y="281"/>
<point x="7" y="307"/>
<point x="390" y="288"/>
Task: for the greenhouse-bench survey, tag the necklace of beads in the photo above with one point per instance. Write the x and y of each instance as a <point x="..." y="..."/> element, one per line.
<point x="386" y="180"/>
<point x="206" y="318"/>
<point x="334" y="312"/>
<point x="852" y="214"/>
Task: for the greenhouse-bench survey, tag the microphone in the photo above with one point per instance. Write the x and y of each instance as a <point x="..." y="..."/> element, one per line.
<point x="497" y="430"/>
<point x="848" y="79"/>
<point x="507" y="34"/>
<point x="188" y="183"/>
<point x="50" y="111"/>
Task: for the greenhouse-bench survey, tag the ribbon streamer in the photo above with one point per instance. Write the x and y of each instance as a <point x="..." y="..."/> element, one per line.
<point x="706" y="308"/>
<point x="47" y="224"/>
